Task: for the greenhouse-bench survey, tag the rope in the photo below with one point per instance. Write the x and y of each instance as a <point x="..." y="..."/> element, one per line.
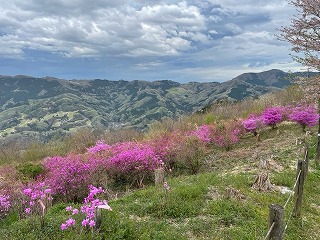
<point x="270" y="229"/>
<point x="287" y="223"/>
<point x="295" y="184"/>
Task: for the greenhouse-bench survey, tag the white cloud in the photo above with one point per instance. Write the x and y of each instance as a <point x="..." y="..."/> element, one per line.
<point x="181" y="36"/>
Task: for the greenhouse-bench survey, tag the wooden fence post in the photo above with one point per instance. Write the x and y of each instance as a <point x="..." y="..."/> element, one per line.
<point x="298" y="192"/>
<point x="98" y="217"/>
<point x="276" y="215"/>
<point x="159" y="176"/>
<point x="306" y="157"/>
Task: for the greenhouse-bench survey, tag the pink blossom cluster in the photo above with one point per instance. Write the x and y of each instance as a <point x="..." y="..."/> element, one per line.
<point x="100" y="146"/>
<point x="304" y="115"/>
<point x="227" y="134"/>
<point x="91" y="202"/>
<point x="203" y="133"/>
<point x="273" y="115"/>
<point x="36" y="193"/>
<point x="5" y="205"/>
<point x="133" y="157"/>
<point x="253" y="123"/>
<point x="68" y="175"/>
<point x="167" y="145"/>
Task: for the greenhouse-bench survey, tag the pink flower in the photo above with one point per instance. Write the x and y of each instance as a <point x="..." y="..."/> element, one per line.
<point x="69" y="208"/>
<point x="75" y="211"/>
<point x="85" y="222"/>
<point x="27" y="210"/>
<point x="92" y="223"/>
<point x="48" y="190"/>
<point x="70" y="222"/>
<point x="63" y="226"/>
<point x="27" y="191"/>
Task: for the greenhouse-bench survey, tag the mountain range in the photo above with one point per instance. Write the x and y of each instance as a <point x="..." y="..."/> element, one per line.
<point x="43" y="108"/>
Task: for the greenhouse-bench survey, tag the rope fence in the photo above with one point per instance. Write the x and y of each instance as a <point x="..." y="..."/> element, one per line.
<point x="270" y="229"/>
<point x="291" y="192"/>
<point x="276" y="212"/>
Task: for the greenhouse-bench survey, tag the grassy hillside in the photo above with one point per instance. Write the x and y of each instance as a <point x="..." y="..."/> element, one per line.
<point x="196" y="206"/>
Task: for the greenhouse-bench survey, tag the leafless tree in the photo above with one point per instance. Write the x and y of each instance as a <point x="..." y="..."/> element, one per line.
<point x="304" y="36"/>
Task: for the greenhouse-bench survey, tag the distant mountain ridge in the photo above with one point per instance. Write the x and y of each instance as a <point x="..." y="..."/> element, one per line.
<point x="41" y="108"/>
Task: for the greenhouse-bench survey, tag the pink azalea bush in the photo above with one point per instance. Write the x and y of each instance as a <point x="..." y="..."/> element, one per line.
<point x="253" y="124"/>
<point x="228" y="134"/>
<point x="132" y="162"/>
<point x="203" y="133"/>
<point x="304" y="116"/>
<point x="99" y="147"/>
<point x="273" y="115"/>
<point x="182" y="151"/>
<point x="90" y="203"/>
<point x="37" y="198"/>
<point x="67" y="176"/>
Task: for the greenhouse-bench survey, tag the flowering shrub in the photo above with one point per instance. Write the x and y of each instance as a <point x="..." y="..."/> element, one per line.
<point x="132" y="162"/>
<point x="67" y="176"/>
<point x="253" y="123"/>
<point x="227" y="134"/>
<point x="182" y="151"/>
<point x="99" y="147"/>
<point x="272" y="116"/>
<point x="203" y="133"/>
<point x="4" y="205"/>
<point x="37" y="198"/>
<point x="305" y="116"/>
<point x="91" y="202"/>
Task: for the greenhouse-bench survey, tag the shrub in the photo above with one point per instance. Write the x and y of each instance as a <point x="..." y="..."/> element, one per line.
<point x="202" y="133"/>
<point x="183" y="151"/>
<point x="253" y="123"/>
<point x="272" y="116"/>
<point x="99" y="147"/>
<point x="228" y="134"/>
<point x="304" y="116"/>
<point x="91" y="202"/>
<point x="37" y="199"/>
<point x="67" y="176"/>
<point x="189" y="155"/>
<point x="30" y="170"/>
<point x="132" y="163"/>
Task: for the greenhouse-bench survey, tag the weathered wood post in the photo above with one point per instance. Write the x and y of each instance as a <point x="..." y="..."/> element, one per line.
<point x="98" y="214"/>
<point x="98" y="217"/>
<point x="307" y="157"/>
<point x="298" y="191"/>
<point x="159" y="176"/>
<point x="276" y="216"/>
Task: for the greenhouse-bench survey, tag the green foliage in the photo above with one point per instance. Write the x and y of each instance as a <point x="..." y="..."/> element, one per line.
<point x="30" y="170"/>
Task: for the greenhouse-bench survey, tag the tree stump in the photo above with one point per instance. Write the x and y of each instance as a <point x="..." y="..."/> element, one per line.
<point x="262" y="182"/>
<point x="264" y="164"/>
<point x="258" y="138"/>
<point x="159" y="176"/>
<point x="232" y="193"/>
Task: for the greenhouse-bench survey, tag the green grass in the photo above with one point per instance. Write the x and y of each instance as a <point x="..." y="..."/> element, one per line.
<point x="186" y="211"/>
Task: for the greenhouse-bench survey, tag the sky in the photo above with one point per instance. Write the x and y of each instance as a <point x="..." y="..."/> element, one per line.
<point x="183" y="41"/>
